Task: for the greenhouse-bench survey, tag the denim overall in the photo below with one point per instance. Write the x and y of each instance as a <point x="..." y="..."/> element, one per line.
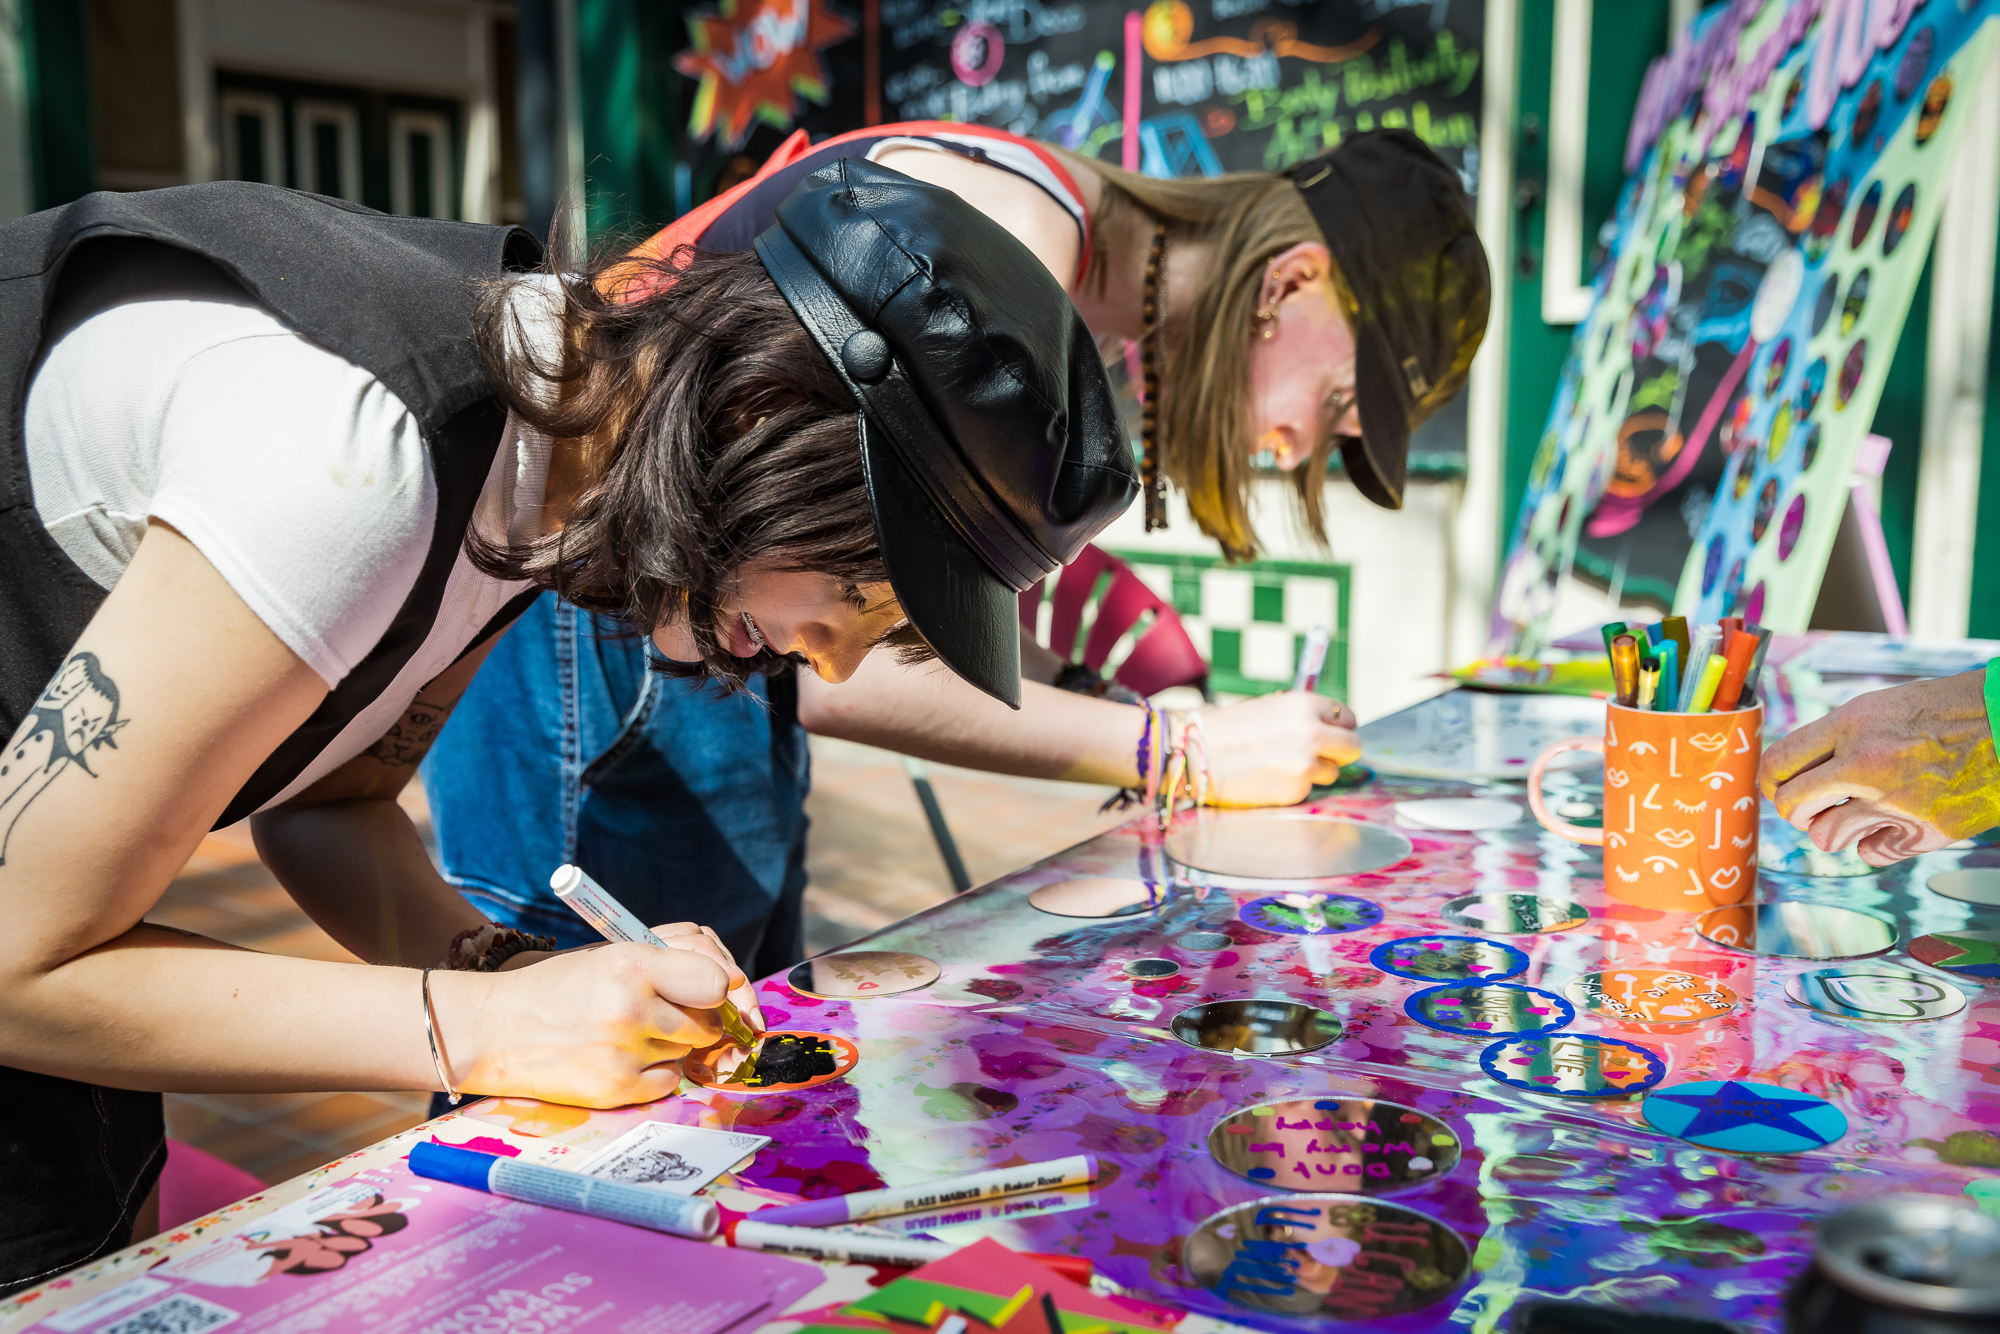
<point x="685" y="803"/>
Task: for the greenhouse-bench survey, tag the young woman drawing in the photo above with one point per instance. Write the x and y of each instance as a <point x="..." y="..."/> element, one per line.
<point x="278" y="469"/>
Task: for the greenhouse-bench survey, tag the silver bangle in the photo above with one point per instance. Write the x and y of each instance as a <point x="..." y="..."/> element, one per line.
<point x="430" y="1032"/>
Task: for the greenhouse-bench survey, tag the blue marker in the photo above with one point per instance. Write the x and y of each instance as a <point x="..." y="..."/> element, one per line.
<point x="641" y="1206"/>
<point x="1667" y="698"/>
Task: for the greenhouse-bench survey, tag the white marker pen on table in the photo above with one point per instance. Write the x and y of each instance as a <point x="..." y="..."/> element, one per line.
<point x="818" y="1244"/>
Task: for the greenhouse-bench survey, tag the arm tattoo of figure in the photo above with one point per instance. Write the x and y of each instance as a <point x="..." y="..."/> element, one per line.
<point x="76" y="714"/>
<point x="410" y="739"/>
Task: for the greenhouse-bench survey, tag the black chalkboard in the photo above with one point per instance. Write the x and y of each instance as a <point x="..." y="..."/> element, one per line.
<point x="1224" y="85"/>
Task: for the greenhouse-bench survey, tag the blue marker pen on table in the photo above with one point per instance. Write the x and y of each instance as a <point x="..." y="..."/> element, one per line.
<point x="641" y="1206"/>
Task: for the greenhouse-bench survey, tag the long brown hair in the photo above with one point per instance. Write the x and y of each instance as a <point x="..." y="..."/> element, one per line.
<point x="715" y="432"/>
<point x="1243" y="220"/>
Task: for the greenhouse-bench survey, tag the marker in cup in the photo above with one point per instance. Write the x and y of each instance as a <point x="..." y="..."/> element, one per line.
<point x="609" y="917"/>
<point x="865" y="1204"/>
<point x="641" y="1206"/>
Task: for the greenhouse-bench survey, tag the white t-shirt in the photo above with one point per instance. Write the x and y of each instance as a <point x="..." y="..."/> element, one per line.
<point x="298" y="474"/>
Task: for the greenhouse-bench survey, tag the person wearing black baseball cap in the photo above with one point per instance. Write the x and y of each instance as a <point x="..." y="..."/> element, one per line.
<point x="1283" y="316"/>
<point x="1272" y="306"/>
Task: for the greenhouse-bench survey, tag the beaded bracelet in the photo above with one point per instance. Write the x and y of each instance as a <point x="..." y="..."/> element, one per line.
<point x="484" y="948"/>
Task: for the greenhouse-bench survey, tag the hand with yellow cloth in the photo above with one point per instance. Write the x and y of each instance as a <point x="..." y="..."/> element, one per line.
<point x="1892" y="773"/>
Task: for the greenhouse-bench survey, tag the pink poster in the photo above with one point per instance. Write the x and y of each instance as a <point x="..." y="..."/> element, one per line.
<point x="394" y="1253"/>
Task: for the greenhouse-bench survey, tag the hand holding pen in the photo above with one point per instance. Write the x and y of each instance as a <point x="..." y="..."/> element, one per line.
<point x="615" y="923"/>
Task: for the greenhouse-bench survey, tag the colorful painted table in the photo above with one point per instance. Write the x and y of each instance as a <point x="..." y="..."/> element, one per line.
<point x="1037" y="1041"/>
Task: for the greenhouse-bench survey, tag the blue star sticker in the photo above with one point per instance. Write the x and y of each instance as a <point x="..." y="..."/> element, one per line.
<point x="1739" y="1116"/>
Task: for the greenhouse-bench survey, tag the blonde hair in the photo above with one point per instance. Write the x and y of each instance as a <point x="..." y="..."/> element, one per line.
<point x="1205" y="447"/>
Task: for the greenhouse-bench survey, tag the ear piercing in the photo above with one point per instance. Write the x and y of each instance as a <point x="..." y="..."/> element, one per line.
<point x="756" y="635"/>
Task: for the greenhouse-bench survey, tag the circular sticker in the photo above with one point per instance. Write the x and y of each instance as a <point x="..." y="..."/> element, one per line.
<point x="1797" y="930"/>
<point x="1864" y="219"/>
<point x="1851" y="369"/>
<point x="1489" y="1010"/>
<point x="1776" y="295"/>
<point x="1514" y="914"/>
<point x="862" y="974"/>
<point x="786" y="1062"/>
<point x="1876" y="991"/>
<point x="1311" y="914"/>
<point x="1650" y="996"/>
<point x="1857" y="301"/>
<point x="1343" y="1256"/>
<point x="1936" y="98"/>
<point x="1259" y="845"/>
<point x="1460" y="813"/>
<point x="1739" y="1116"/>
<point x="1356" y="1146"/>
<point x="1973" y="884"/>
<point x="1096" y="896"/>
<point x="1448" y="959"/>
<point x="1204" y="941"/>
<point x="1256" y="1027"/>
<point x="1573" y="1065"/>
<point x="1830" y="289"/>
<point x="1152" y="970"/>
<point x="1969" y="953"/>
<point x="1901" y="213"/>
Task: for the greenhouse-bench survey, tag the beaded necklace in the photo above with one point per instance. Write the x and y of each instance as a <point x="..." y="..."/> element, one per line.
<point x="1152" y="308"/>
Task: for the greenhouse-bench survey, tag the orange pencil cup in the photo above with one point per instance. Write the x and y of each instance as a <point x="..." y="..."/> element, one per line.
<point x="1680" y="805"/>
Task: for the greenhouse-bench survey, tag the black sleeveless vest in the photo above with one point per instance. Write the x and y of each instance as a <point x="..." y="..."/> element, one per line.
<point x="394" y="296"/>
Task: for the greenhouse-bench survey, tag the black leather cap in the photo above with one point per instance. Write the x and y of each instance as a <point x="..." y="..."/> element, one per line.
<point x="1400" y="227"/>
<point x="991" y="444"/>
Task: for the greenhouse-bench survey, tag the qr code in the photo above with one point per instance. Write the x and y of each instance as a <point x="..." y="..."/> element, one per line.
<point x="650" y="1165"/>
<point x="176" y="1315"/>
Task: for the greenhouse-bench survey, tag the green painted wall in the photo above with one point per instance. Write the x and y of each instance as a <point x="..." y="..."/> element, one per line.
<point x="1625" y="36"/>
<point x="631" y="118"/>
<point x="1900" y="416"/>
<point x="55" y="51"/>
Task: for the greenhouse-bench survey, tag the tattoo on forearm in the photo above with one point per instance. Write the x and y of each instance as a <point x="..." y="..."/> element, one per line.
<point x="410" y="739"/>
<point x="76" y="714"/>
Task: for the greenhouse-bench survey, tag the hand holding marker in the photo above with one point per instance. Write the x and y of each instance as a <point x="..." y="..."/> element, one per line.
<point x="1665" y="669"/>
<point x="589" y="901"/>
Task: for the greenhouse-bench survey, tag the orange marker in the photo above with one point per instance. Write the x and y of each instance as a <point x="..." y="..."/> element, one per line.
<point x="1625" y="668"/>
<point x="1741" y="651"/>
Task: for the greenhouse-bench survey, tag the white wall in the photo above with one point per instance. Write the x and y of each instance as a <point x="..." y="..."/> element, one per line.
<point x="1402" y="561"/>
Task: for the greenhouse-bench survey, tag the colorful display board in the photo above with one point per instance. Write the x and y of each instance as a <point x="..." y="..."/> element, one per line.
<point x="1788" y="168"/>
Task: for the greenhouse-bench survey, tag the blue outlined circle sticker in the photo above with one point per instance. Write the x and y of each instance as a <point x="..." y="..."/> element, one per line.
<point x="1311" y="914"/>
<point x="1573" y="1065"/>
<point x="1448" y="959"/>
<point x="1739" y="1116"/>
<point x="1490" y="1009"/>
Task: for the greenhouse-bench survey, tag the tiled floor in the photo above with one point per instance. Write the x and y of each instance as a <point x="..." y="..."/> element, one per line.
<point x="871" y="862"/>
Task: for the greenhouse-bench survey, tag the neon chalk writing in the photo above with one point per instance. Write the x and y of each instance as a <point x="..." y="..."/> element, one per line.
<point x="1850" y="33"/>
